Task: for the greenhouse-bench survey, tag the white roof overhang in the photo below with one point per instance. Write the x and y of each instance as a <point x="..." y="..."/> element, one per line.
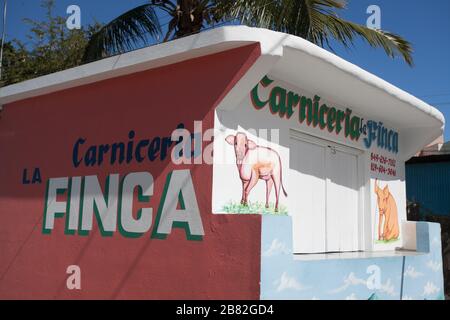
<point x="286" y="57"/>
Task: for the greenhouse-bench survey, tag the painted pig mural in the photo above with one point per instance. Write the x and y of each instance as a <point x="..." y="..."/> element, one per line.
<point x="388" y="209"/>
<point x="254" y="163"/>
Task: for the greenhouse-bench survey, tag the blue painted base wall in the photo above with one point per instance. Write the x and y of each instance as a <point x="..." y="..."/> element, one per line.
<point x="390" y="278"/>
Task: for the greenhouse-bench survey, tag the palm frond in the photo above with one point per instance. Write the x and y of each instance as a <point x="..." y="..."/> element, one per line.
<point x="325" y="24"/>
<point x="124" y="33"/>
<point x="318" y="22"/>
<point x="258" y="13"/>
<point x="171" y="27"/>
<point x="314" y="20"/>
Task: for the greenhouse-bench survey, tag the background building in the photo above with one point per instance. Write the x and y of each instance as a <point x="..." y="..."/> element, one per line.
<point x="428" y="193"/>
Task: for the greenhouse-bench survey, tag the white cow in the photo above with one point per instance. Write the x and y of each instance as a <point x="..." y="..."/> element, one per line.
<point x="255" y="162"/>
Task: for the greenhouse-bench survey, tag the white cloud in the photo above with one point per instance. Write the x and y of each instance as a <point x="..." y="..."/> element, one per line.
<point x="430" y="289"/>
<point x="434" y="265"/>
<point x="387" y="288"/>
<point x="407" y="298"/>
<point x="286" y="282"/>
<point x="351" y="297"/>
<point x="350" y="280"/>
<point x="412" y="273"/>
<point x="276" y="247"/>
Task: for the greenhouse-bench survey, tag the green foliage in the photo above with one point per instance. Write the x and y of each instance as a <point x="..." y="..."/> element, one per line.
<point x="50" y="47"/>
<point x="318" y="22"/>
<point x="131" y="27"/>
<point x="314" y="20"/>
<point x="254" y="208"/>
<point x="386" y="241"/>
<point x="137" y="26"/>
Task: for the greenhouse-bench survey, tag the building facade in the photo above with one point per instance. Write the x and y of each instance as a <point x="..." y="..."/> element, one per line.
<point x="238" y="163"/>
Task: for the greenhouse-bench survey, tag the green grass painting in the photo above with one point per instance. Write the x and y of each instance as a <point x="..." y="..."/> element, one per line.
<point x="386" y="241"/>
<point x="254" y="208"/>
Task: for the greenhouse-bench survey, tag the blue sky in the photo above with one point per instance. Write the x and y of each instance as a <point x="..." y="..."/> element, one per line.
<point x="425" y="25"/>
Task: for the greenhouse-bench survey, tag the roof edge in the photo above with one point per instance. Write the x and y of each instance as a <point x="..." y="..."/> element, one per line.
<point x="213" y="41"/>
<point x="205" y="43"/>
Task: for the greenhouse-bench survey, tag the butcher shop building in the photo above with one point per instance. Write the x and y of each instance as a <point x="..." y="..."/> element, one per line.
<point x="238" y="163"/>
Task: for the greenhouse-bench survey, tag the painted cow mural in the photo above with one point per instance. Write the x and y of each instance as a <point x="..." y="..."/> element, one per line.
<point x="256" y="163"/>
<point x="387" y="208"/>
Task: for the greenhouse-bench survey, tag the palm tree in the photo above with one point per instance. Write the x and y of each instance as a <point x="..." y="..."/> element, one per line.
<point x="314" y="20"/>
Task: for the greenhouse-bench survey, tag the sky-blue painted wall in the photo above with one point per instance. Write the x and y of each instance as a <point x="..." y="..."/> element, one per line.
<point x="401" y="278"/>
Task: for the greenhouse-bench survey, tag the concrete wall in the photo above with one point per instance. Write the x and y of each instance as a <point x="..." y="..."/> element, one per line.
<point x="257" y="125"/>
<point x="41" y="133"/>
<point x="364" y="277"/>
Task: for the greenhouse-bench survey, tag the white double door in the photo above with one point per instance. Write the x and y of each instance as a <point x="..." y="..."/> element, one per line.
<point x="324" y="202"/>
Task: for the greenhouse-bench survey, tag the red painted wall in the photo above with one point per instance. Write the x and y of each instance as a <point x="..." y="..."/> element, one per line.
<point x="40" y="132"/>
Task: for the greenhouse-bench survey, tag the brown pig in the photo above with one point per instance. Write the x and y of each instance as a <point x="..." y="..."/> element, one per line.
<point x="388" y="209"/>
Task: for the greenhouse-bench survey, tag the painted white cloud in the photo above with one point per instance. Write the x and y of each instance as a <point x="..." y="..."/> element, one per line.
<point x="387" y="288"/>
<point x="287" y="282"/>
<point x="350" y="280"/>
<point x="434" y="265"/>
<point x="276" y="247"/>
<point x="412" y="273"/>
<point x="407" y="298"/>
<point x="351" y="297"/>
<point x="430" y="289"/>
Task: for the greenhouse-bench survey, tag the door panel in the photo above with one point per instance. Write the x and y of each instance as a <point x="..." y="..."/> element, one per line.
<point x="324" y="204"/>
<point x="308" y="207"/>
<point x="342" y="201"/>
